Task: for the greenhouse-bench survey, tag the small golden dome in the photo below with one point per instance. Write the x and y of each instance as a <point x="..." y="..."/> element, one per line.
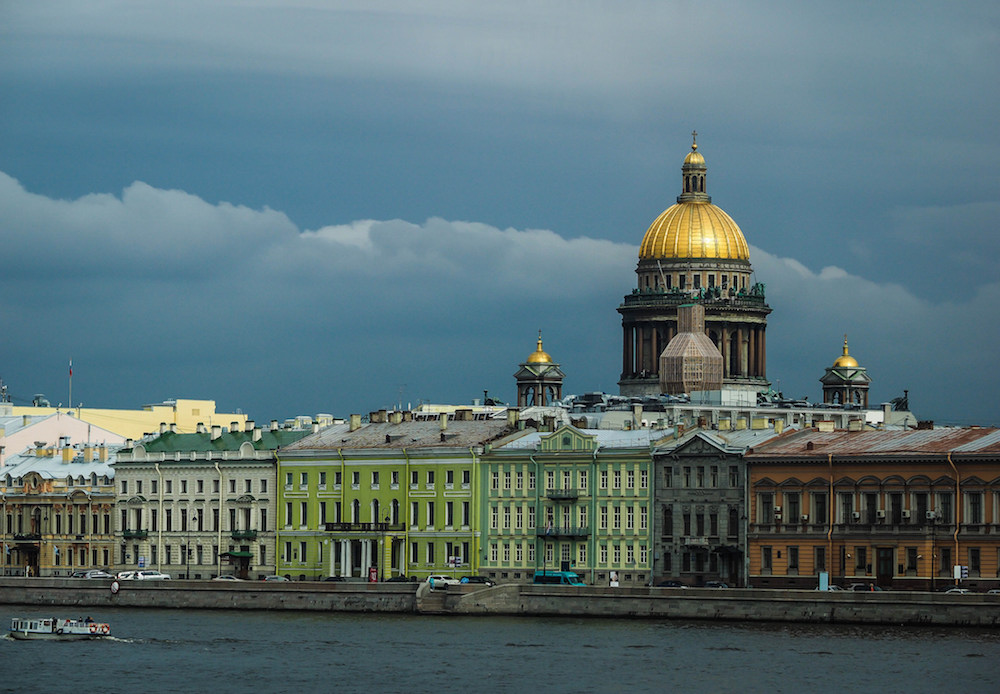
<point x="539" y="356"/>
<point x="694" y="230"/>
<point x="694" y="157"/>
<point x="845" y="360"/>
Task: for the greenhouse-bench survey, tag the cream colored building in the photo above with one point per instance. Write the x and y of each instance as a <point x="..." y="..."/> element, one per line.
<point x="185" y="414"/>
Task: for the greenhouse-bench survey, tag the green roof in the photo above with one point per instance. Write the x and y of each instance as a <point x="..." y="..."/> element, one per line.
<point x="171" y="442"/>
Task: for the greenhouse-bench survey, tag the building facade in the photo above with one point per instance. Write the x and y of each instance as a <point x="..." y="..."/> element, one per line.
<point x="694" y="252"/>
<point x="570" y="499"/>
<point x="896" y="509"/>
<point x="203" y="504"/>
<point x="56" y="505"/>
<point x="393" y="497"/>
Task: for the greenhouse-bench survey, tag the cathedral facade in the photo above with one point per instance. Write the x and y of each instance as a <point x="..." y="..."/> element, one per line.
<point x="694" y="253"/>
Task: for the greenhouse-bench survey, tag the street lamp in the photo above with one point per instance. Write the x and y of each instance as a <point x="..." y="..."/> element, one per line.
<point x="187" y="553"/>
<point x="381" y="560"/>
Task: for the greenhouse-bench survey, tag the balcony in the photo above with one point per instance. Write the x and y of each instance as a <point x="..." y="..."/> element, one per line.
<point x="27" y="537"/>
<point x="564" y="494"/>
<point x="244" y="534"/>
<point x="695" y="542"/>
<point x="363" y="527"/>
<point x="135" y="534"/>
<point x="563" y="532"/>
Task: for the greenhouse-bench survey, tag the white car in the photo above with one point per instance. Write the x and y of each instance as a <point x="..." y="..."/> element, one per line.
<point x="441" y="582"/>
<point x="150" y="575"/>
<point x="226" y="577"/>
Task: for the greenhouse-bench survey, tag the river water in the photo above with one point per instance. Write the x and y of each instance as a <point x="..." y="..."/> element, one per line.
<point x="245" y="651"/>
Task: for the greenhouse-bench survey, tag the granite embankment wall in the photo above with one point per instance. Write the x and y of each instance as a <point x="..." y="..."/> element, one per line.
<point x="733" y="604"/>
<point x="250" y="595"/>
<point x="657" y="603"/>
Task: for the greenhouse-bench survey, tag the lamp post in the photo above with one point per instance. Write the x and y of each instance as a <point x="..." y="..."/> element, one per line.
<point x="187" y="552"/>
<point x="381" y="560"/>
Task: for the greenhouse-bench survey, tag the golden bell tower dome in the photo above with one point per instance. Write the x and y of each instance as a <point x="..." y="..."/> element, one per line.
<point x="694" y="227"/>
<point x="539" y="356"/>
<point x="845" y="359"/>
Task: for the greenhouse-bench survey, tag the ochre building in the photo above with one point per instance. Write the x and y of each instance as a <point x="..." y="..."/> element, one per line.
<point x="893" y="509"/>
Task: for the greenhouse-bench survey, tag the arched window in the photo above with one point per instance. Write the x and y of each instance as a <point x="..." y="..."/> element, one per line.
<point x="394" y="512"/>
<point x="375" y="516"/>
<point x="355" y="511"/>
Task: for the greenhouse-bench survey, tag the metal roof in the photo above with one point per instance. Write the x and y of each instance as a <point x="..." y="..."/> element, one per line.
<point x="410" y="434"/>
<point x="606" y="438"/>
<point x="53" y="467"/>
<point x="860" y="443"/>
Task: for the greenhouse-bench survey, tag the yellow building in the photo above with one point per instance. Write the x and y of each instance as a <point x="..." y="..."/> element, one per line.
<point x="182" y="415"/>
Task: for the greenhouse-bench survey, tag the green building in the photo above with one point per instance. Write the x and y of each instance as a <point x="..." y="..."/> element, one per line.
<point x="570" y="499"/>
<point x="395" y="496"/>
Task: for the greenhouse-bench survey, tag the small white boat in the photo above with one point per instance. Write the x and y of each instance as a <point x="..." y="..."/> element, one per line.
<point x="53" y="629"/>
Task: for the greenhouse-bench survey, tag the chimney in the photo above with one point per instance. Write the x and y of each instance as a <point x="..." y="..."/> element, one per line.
<point x="201" y="428"/>
<point x="67" y="453"/>
<point x="88" y="453"/>
<point x="855" y="425"/>
<point x="163" y="428"/>
<point x="355" y="422"/>
<point x="26" y="420"/>
<point x="637" y="416"/>
<point x="443" y="420"/>
<point x="234" y="427"/>
<point x="274" y="425"/>
<point x="256" y="434"/>
<point x="128" y="443"/>
<point x="779" y="426"/>
<point x="249" y="425"/>
<point x="463" y="415"/>
<point x="216" y="431"/>
<point x="315" y="427"/>
<point x="173" y="427"/>
<point x="395" y="417"/>
<point x="102" y="453"/>
<point x="824" y="425"/>
<point x="512" y="417"/>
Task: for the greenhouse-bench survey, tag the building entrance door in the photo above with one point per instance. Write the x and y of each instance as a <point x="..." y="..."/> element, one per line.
<point x="885" y="559"/>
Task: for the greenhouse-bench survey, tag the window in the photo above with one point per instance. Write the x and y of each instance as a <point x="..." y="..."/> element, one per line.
<point x="583" y="480"/>
<point x="629" y="518"/>
<point x="200" y="486"/>
<point x="232" y="487"/>
<point x="495" y="480"/>
<point x="494" y="552"/>
<point x="467" y="478"/>
<point x="449" y="513"/>
<point x="734" y="476"/>
<point x="699" y="476"/>
<point x="531" y="518"/>
<point x="531" y="479"/>
<point x="643" y="479"/>
<point x="263" y="486"/>
<point x="288" y="514"/>
<point x="430" y="478"/>
<point x="604" y="479"/>
<point x="793" y="559"/>
<point x="583" y="516"/>
<point x="138" y="485"/>
<point x="124" y="486"/>
<point x="616" y="514"/>
<point x="184" y="486"/>
<point x="668" y="521"/>
<point x="374" y="479"/>
<point x="169" y="486"/>
<point x="215" y="487"/>
<point x="861" y="558"/>
<point x="394" y="479"/>
<point x="630" y="479"/>
<point x="302" y="552"/>
<point x="686" y="481"/>
<point x="792" y="507"/>
<point x="713" y="476"/>
<point x="506" y="517"/>
<point x="975" y="510"/>
<point x="616" y="477"/>
<point x="765" y="560"/>
<point x="466" y="513"/>
<point x="604" y="517"/>
<point x="322" y="479"/>
<point x="765" y="510"/>
<point x="304" y="479"/>
<point x="355" y="479"/>
<point x="288" y="479"/>
<point x="687" y="523"/>
<point x="336" y="479"/>
<point x="414" y="513"/>
<point x="911" y="558"/>
<point x="550" y="480"/>
<point x="430" y="552"/>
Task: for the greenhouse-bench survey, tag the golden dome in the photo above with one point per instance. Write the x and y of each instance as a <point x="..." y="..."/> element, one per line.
<point x="539" y="356"/>
<point x="845" y="359"/>
<point x="694" y="230"/>
<point x="694" y="227"/>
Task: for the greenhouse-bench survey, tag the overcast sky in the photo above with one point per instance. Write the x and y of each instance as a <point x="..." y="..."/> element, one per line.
<point x="308" y="207"/>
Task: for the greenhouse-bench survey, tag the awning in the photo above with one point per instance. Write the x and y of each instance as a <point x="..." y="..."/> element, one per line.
<point x="238" y="555"/>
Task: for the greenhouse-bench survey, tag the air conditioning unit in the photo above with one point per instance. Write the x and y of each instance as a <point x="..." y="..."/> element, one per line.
<point x="805" y="518"/>
<point x="777" y="510"/>
<point x="856" y="515"/>
<point x="880" y="513"/>
<point x="931" y="515"/>
<point x="906" y="513"/>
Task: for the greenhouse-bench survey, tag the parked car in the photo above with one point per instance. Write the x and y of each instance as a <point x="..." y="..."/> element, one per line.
<point x="150" y="575"/>
<point x="274" y="578"/>
<point x="125" y="575"/>
<point x="335" y="579"/>
<point x="96" y="573"/>
<point x="399" y="579"/>
<point x="671" y="583"/>
<point x="958" y="591"/>
<point x="441" y="581"/>
<point x="227" y="577"/>
<point x="993" y="591"/>
<point x="480" y="580"/>
<point x="715" y="584"/>
<point x="863" y="587"/>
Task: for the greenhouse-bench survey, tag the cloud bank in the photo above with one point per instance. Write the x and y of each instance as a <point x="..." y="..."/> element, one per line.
<point x="158" y="293"/>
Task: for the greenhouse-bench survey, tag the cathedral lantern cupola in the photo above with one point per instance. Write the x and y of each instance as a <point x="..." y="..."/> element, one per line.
<point x="539" y="380"/>
<point x="694" y="253"/>
<point x="846" y="383"/>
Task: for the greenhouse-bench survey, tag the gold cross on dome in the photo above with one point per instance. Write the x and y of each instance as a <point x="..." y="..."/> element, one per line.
<point x="694" y="139"/>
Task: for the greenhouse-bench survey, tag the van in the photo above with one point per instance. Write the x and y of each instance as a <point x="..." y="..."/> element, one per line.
<point x="561" y="578"/>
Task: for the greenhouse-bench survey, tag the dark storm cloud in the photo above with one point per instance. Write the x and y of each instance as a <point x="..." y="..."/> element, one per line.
<point x="856" y="138"/>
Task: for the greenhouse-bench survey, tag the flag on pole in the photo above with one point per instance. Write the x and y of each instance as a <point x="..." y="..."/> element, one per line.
<point x="71" y="368"/>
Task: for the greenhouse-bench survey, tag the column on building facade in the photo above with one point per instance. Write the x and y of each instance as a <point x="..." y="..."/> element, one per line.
<point x="752" y="352"/>
<point x="345" y="558"/>
<point x="739" y="352"/>
<point x="626" y="350"/>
